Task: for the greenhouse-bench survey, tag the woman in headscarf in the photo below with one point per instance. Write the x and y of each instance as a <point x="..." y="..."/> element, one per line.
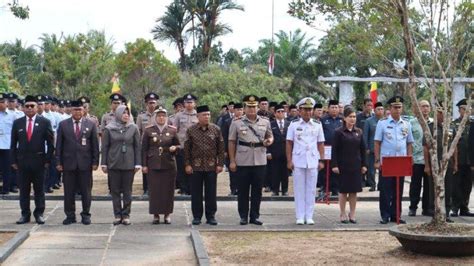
<point x="121" y="159"/>
<point x="159" y="146"/>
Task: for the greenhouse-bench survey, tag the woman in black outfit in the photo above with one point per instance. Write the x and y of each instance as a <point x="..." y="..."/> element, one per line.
<point x="349" y="161"/>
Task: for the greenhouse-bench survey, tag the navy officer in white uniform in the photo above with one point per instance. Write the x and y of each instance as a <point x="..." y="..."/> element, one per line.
<point x="304" y="149"/>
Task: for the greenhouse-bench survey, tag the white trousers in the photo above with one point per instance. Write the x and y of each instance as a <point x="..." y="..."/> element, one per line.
<point x="304" y="185"/>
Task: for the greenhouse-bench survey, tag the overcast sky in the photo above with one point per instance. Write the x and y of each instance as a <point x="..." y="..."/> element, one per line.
<point x="125" y="21"/>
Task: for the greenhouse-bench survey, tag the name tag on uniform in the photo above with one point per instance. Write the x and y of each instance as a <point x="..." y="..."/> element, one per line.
<point x="84" y="141"/>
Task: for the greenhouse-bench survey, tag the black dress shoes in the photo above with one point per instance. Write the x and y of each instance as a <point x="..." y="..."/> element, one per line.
<point x="39" y="219"/>
<point x="384" y="221"/>
<point x="48" y="190"/>
<point x="69" y="221"/>
<point x="284" y="194"/>
<point x="56" y="186"/>
<point x="427" y="213"/>
<point x="394" y="220"/>
<point x="4" y="192"/>
<point x="196" y="221"/>
<point x="23" y="220"/>
<point x="274" y="194"/>
<point x="449" y="221"/>
<point x="86" y="220"/>
<point x="468" y="214"/>
<point x="412" y="213"/>
<point x="243" y="221"/>
<point x="372" y="188"/>
<point x="255" y="222"/>
<point x="211" y="221"/>
<point x="14" y="190"/>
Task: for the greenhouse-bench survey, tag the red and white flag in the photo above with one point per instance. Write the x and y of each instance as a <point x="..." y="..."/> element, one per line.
<point x="271" y="62"/>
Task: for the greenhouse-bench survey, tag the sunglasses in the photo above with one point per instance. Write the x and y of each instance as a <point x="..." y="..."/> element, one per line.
<point x="29" y="106"/>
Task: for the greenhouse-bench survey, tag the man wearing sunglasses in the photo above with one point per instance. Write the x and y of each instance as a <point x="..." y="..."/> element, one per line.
<point x="32" y="149"/>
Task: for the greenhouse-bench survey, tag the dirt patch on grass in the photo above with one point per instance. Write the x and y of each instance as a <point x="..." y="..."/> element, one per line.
<point x="5" y="236"/>
<point x="288" y="248"/>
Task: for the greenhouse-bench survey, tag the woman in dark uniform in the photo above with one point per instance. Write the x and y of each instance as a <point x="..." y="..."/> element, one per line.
<point x="159" y="146"/>
<point x="349" y="161"/>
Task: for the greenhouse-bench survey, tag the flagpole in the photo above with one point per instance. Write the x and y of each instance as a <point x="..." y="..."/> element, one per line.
<point x="273" y="27"/>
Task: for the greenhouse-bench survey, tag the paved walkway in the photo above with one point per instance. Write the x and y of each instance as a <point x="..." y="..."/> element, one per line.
<point x="143" y="243"/>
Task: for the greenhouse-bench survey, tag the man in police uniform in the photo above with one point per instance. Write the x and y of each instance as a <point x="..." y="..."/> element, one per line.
<point x="248" y="138"/>
<point x="304" y="148"/>
<point x="13" y="105"/>
<point x="462" y="183"/>
<point x="86" y="105"/>
<point x="116" y="99"/>
<point x="177" y="107"/>
<point x="182" y="121"/>
<point x="393" y="137"/>
<point x="144" y="119"/>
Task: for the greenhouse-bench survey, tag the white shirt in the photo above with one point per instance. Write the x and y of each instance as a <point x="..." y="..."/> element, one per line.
<point x="305" y="137"/>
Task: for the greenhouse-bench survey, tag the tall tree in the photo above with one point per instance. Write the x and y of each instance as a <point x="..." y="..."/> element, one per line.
<point x="208" y="12"/>
<point x="171" y="27"/>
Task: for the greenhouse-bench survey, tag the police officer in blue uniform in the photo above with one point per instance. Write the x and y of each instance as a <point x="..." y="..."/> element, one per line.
<point x="393" y="137"/>
<point x="6" y="123"/>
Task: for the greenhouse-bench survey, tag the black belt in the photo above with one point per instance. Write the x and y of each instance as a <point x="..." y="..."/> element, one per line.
<point x="251" y="144"/>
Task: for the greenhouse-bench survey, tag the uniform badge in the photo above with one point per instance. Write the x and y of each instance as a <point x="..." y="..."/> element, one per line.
<point x="405" y="131"/>
<point x="244" y="132"/>
<point x="87" y="129"/>
<point x="167" y="134"/>
<point x="153" y="133"/>
<point x="36" y="124"/>
<point x="155" y="139"/>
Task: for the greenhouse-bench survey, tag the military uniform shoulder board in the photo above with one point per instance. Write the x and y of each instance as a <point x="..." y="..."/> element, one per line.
<point x="385" y="118"/>
<point x="173" y="127"/>
<point x="148" y="126"/>
<point x="264" y="117"/>
<point x="315" y="121"/>
<point x="236" y="118"/>
<point x="295" y="120"/>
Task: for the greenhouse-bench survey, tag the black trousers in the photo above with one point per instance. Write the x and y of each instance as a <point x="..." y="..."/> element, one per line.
<point x="268" y="176"/>
<point x="182" y="178"/>
<point x="5" y="169"/>
<point x="28" y="175"/>
<point x="279" y="175"/>
<point x="462" y="186"/>
<point x="77" y="181"/>
<point x="388" y="196"/>
<point x="232" y="177"/>
<point x="250" y="180"/>
<point x="145" y="182"/>
<point x="448" y="189"/>
<point x="333" y="180"/>
<point x="121" y="182"/>
<point x="207" y="181"/>
<point x="418" y="180"/>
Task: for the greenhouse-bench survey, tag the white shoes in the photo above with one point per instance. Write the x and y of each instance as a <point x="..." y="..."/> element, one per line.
<point x="310" y="221"/>
<point x="300" y="222"/>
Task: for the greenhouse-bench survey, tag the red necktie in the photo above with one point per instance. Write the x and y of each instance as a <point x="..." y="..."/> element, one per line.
<point x="29" y="130"/>
<point x="77" y="131"/>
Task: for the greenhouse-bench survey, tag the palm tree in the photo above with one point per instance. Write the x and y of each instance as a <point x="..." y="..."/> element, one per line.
<point x="171" y="27"/>
<point x="207" y="13"/>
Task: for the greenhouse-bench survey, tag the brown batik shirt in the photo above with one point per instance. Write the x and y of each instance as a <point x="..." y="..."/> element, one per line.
<point x="204" y="148"/>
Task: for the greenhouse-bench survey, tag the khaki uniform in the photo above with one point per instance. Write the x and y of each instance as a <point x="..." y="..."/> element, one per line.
<point x="251" y="160"/>
<point x="94" y="119"/>
<point x="144" y="120"/>
<point x="182" y="121"/>
<point x="249" y="148"/>
<point x="106" y="119"/>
